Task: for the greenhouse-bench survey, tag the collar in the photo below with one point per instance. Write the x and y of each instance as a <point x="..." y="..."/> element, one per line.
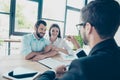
<point x="103" y="45"/>
<point x="35" y="38"/>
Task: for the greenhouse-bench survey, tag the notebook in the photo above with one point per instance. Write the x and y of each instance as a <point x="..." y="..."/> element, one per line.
<point x="51" y="63"/>
<point x="21" y="73"/>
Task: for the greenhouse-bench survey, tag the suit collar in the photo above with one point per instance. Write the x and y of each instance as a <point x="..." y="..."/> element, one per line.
<point x="102" y="45"/>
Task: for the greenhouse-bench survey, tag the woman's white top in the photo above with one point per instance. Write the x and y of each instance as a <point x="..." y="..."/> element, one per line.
<point x="61" y="43"/>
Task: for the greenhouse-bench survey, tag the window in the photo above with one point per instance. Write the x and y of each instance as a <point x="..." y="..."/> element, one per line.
<point x="4" y="26"/>
<point x="72" y="19"/>
<point x="25" y="15"/>
<point x="54" y="9"/>
<point x="4" y="18"/>
<point x="54" y="12"/>
<point x="5" y="6"/>
<point x="76" y="3"/>
<point x="73" y="16"/>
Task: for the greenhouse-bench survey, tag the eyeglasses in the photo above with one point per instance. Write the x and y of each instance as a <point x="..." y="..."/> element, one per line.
<point x="78" y="26"/>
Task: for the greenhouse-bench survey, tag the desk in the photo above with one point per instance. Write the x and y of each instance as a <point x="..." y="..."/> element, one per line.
<point x="11" y="40"/>
<point x="8" y="63"/>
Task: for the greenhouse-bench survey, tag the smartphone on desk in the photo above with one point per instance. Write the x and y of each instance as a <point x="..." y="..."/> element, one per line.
<point x="21" y="73"/>
<point x="21" y="76"/>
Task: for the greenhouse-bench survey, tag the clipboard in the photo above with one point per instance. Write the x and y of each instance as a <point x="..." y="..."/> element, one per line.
<point x="21" y="73"/>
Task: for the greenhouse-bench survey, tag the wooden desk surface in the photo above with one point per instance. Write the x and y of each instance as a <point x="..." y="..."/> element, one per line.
<point x="8" y="63"/>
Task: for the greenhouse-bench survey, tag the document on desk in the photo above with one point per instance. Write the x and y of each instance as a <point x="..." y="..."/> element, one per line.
<point x="51" y="63"/>
<point x="21" y="73"/>
<point x="22" y="70"/>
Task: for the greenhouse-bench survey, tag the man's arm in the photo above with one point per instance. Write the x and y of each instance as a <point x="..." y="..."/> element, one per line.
<point x="44" y="55"/>
<point x="32" y="55"/>
<point x="48" y="75"/>
<point x="74" y="73"/>
<point x="35" y="56"/>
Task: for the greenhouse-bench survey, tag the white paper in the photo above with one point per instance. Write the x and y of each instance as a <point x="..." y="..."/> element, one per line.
<point x="22" y="70"/>
<point x="51" y="63"/>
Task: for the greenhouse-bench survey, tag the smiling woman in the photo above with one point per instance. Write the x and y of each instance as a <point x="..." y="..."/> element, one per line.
<point x="56" y="40"/>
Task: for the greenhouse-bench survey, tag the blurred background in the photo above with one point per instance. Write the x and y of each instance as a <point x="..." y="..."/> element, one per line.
<point x="17" y="17"/>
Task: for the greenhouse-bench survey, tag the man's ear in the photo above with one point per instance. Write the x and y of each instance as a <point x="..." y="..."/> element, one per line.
<point x="88" y="28"/>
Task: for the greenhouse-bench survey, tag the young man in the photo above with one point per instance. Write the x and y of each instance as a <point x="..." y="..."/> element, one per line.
<point x="100" y="21"/>
<point x="34" y="46"/>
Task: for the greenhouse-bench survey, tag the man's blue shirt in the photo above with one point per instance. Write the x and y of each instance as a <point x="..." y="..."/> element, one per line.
<point x="31" y="44"/>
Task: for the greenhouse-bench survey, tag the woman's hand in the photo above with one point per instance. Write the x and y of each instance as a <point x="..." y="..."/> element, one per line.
<point x="39" y="57"/>
<point x="55" y="48"/>
<point x="70" y="38"/>
<point x="30" y="56"/>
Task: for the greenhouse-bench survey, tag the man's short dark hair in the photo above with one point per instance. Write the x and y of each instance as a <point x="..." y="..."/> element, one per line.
<point x="104" y="15"/>
<point x="40" y="22"/>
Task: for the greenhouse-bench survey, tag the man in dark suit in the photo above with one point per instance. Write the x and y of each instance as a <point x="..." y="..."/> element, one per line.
<point x="100" y="21"/>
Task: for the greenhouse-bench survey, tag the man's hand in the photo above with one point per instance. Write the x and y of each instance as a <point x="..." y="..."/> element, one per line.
<point x="60" y="71"/>
<point x="39" y="57"/>
<point x="30" y="56"/>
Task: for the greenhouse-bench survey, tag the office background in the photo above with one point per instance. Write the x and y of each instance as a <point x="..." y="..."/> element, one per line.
<point x="17" y="17"/>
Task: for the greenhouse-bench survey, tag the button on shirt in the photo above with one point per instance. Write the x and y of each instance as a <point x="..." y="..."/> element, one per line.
<point x="31" y="44"/>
